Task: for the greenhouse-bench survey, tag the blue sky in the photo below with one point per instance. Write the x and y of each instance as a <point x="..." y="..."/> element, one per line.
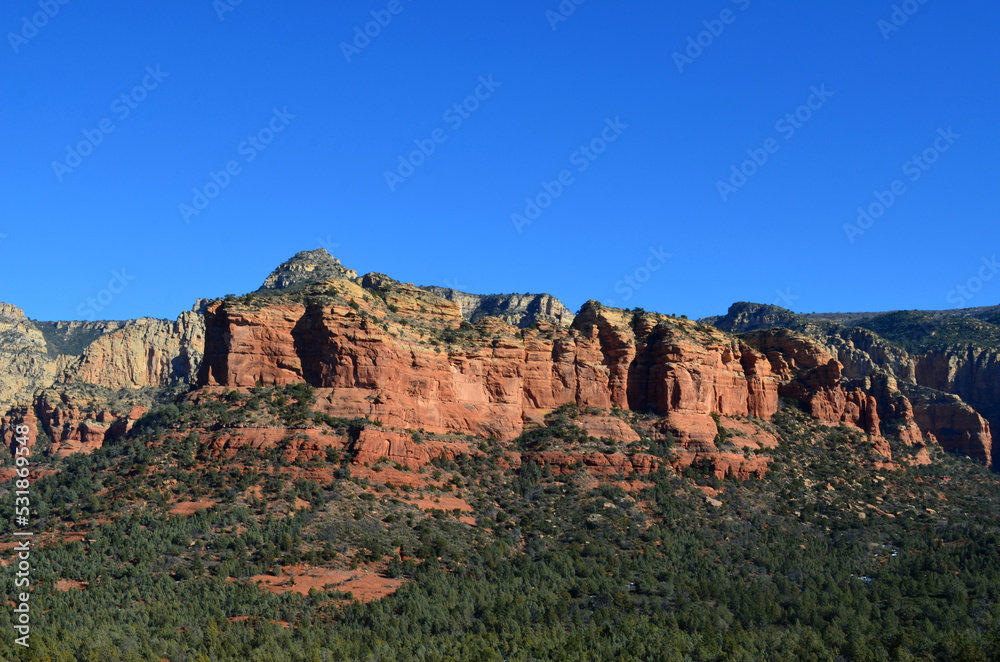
<point x="267" y="90"/>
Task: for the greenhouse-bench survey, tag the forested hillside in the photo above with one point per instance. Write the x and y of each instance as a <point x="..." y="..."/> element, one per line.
<point x="824" y="559"/>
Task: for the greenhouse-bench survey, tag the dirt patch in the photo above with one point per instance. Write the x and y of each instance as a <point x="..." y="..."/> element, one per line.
<point x="388" y="475"/>
<point x="191" y="507"/>
<point x="445" y="503"/>
<point x="366" y="584"/>
<point x="367" y="588"/>
<point x="70" y="584"/>
<point x="299" y="579"/>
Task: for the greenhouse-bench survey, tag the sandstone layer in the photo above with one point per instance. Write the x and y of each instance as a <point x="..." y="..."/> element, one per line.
<point x="403" y="364"/>
<point x="450" y="362"/>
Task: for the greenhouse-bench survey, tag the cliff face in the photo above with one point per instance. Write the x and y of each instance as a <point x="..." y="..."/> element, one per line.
<point x="951" y="422"/>
<point x="972" y="373"/>
<point x="143" y="353"/>
<point x="25" y="365"/>
<point x="134" y="354"/>
<point x="915" y="393"/>
<point x="64" y="378"/>
<point x="412" y="365"/>
<point x="494" y="366"/>
<point x="521" y="310"/>
<point x="399" y="354"/>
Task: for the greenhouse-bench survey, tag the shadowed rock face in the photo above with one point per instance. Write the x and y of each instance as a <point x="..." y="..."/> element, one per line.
<point x="973" y="374"/>
<point x="953" y="423"/>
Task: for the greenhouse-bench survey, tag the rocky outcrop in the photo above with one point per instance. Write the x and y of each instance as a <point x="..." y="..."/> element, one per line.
<point x="953" y="423"/>
<point x="520" y="310"/>
<point x="295" y="444"/>
<point x="607" y="427"/>
<point x="604" y="465"/>
<point x="25" y="365"/>
<point x="306" y="268"/>
<point x="811" y="376"/>
<point x="721" y="465"/>
<point x="79" y="422"/>
<point x="68" y="373"/>
<point x="408" y="368"/>
<point x="142" y="353"/>
<point x="898" y="418"/>
<point x="18" y="416"/>
<point x="744" y="316"/>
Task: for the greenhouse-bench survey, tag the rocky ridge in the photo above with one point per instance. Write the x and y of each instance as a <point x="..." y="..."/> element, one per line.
<point x="950" y="389"/>
<point x="495" y="367"/>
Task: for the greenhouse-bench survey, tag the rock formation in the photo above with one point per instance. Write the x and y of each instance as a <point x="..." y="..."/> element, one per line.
<point x="304" y="269"/>
<point x="744" y="316"/>
<point x="912" y="391"/>
<point x="493" y="367"/>
<point x="25" y="364"/>
<point x="82" y="420"/>
<point x="387" y="361"/>
<point x="521" y="310"/>
<point x="142" y="353"/>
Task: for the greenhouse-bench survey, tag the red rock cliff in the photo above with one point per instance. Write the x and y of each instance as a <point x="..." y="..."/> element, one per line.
<point x="403" y="356"/>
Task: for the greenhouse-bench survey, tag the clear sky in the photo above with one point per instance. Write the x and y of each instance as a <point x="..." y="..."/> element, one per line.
<point x="604" y="113"/>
